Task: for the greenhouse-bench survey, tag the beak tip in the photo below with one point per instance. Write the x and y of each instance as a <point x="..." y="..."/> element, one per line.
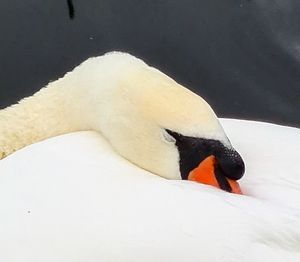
<point x="235" y="187"/>
<point x="205" y="174"/>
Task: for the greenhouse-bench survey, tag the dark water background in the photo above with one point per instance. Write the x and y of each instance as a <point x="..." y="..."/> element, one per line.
<point x="242" y="56"/>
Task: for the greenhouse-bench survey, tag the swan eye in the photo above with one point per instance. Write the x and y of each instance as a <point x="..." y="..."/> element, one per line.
<point x="168" y="137"/>
<point x="175" y="135"/>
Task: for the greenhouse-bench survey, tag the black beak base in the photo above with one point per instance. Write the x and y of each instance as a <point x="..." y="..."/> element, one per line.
<point x="193" y="150"/>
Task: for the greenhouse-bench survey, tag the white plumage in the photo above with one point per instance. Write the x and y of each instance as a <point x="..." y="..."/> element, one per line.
<point x="74" y="198"/>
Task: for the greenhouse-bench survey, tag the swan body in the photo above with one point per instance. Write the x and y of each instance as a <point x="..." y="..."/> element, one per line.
<point x="57" y="203"/>
<point x="76" y="197"/>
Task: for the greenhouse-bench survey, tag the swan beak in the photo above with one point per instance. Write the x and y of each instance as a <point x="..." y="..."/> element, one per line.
<point x="208" y="173"/>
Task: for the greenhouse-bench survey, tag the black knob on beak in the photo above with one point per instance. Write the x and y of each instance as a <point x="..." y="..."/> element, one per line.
<point x="231" y="163"/>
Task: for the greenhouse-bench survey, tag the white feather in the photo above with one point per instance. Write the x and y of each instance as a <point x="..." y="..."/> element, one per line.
<point x="74" y="198"/>
<point x="87" y="203"/>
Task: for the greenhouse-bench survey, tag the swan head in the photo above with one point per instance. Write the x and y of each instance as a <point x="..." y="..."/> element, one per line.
<point x="168" y="130"/>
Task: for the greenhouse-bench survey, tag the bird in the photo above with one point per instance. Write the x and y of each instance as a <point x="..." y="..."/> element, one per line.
<point x="146" y="116"/>
<point x="118" y="189"/>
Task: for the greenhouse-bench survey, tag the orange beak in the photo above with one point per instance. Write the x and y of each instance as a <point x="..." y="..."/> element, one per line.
<point x="205" y="174"/>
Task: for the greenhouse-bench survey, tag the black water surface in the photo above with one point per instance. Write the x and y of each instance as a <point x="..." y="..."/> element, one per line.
<point x="242" y="56"/>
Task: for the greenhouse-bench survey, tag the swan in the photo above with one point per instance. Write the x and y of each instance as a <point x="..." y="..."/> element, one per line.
<point x="90" y="203"/>
<point x="146" y="116"/>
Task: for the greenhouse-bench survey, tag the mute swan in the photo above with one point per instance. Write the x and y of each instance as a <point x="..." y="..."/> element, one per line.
<point x="146" y="116"/>
<point x="74" y="198"/>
